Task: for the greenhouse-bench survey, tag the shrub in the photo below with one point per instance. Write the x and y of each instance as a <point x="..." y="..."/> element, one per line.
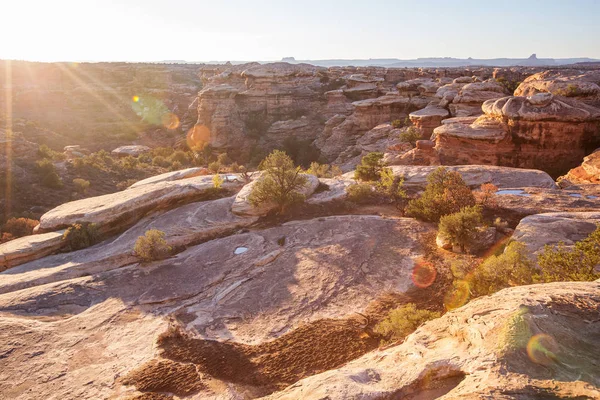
<point x="223" y="159"/>
<point x="19" y="227"/>
<point x="217" y="181"/>
<point x="129" y="162"/>
<point x="81" y="235"/>
<point x="398" y="123"/>
<point x="361" y="193"/>
<point x="323" y="170"/>
<point x="391" y="187"/>
<point x="486" y="196"/>
<point x="370" y="167"/>
<point x="152" y="246"/>
<point x="125" y="184"/>
<point x="257" y="123"/>
<point x="47" y="173"/>
<point x="410" y="135"/>
<point x="160" y="161"/>
<point x="461" y="228"/>
<point x="511" y="268"/>
<point x="280" y="182"/>
<point x="176" y="166"/>
<point x="302" y="152"/>
<point x="402" y="321"/>
<point x="445" y="193"/>
<point x="179" y="156"/>
<point x="214" y="167"/>
<point x="81" y="185"/>
<point x="579" y="263"/>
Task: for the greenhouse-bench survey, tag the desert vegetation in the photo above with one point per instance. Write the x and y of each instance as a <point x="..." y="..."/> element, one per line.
<point x="152" y="246"/>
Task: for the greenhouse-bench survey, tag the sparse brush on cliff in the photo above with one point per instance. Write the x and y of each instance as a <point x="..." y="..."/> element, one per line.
<point x="152" y="246"/>
<point x="81" y="185"/>
<point x="18" y="227"/>
<point x="324" y="170"/>
<point x="410" y="135"/>
<point x="280" y="182"/>
<point x="47" y="173"/>
<point x="445" y="193"/>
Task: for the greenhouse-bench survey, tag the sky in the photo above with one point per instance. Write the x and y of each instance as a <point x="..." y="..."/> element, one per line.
<point x="222" y="30"/>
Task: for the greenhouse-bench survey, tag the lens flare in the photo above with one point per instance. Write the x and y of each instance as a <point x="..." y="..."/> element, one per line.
<point x="423" y="274"/>
<point x="170" y="121"/>
<point x="457" y="296"/>
<point x="198" y="137"/>
<point x="135" y="99"/>
<point x="542" y="349"/>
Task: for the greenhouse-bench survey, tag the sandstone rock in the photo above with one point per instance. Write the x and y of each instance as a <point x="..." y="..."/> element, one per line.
<point x="538" y="230"/>
<point x="133" y="150"/>
<point x="242" y="206"/>
<point x="576" y="84"/>
<point x="429" y="118"/>
<point x="528" y="201"/>
<point x="183" y="227"/>
<point x="587" y="172"/>
<point x="541" y="131"/>
<point x="171" y="176"/>
<point x="425" y="144"/>
<point x="415" y="177"/>
<point x="479" y="351"/>
<point x="113" y="212"/>
<point x="252" y="297"/>
<point x="469" y="99"/>
<point x="28" y="248"/>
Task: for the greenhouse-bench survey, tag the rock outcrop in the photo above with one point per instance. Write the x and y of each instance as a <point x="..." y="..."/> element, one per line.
<point x="577" y="84"/>
<point x="541" y="131"/>
<point x="132" y="150"/>
<point x="116" y="211"/>
<point x="531" y="342"/>
<point x="28" y="248"/>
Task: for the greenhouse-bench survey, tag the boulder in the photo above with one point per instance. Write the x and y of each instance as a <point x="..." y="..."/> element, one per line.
<point x="116" y="211"/>
<point x="172" y="176"/>
<point x="471" y="96"/>
<point x="528" y="341"/>
<point x="132" y="150"/>
<point x="242" y="206"/>
<point x="28" y="248"/>
<point x="428" y="118"/>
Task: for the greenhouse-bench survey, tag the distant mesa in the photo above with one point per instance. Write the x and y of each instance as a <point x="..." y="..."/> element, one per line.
<point x="288" y="59"/>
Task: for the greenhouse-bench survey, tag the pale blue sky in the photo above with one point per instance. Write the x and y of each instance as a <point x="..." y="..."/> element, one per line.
<point x="198" y="30"/>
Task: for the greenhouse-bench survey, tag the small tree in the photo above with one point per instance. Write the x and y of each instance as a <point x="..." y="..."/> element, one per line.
<point x="47" y="173"/>
<point x="81" y="185"/>
<point x="445" y="193"/>
<point x="323" y="170"/>
<point x="370" y="167"/>
<point x="392" y="187"/>
<point x="461" y="228"/>
<point x="81" y="235"/>
<point x="486" y="196"/>
<point x="402" y="321"/>
<point x="280" y="182"/>
<point x="214" y="167"/>
<point x="18" y="227"/>
<point x="152" y="246"/>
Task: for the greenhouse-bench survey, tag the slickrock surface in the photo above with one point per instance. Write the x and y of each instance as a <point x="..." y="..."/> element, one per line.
<point x="113" y="212"/>
<point x="184" y="226"/>
<point x="536" y="231"/>
<point x="77" y="338"/>
<point x="171" y="176"/>
<point x="28" y="248"/>
<point x="527" y="342"/>
<point x="471" y="96"/>
<point x="133" y="150"/>
<point x="581" y="85"/>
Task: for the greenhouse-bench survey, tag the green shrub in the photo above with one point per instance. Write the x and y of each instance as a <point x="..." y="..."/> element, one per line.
<point x="280" y="182"/>
<point x="162" y="151"/>
<point x="402" y="321"/>
<point x="129" y="162"/>
<point x="81" y="235"/>
<point x="511" y="268"/>
<point x="445" y="193"/>
<point x="559" y="263"/>
<point x="179" y="156"/>
<point x="411" y="135"/>
<point x="152" y="246"/>
<point x="81" y="185"/>
<point x="461" y="228"/>
<point x="160" y="161"/>
<point x="176" y="166"/>
<point x="323" y="170"/>
<point x="302" y="152"/>
<point x="47" y="173"/>
<point x="391" y="187"/>
<point x="370" y="167"/>
<point x="223" y="159"/>
<point x="362" y="193"/>
<point x="19" y="227"/>
<point x="214" y="167"/>
<point x="398" y="123"/>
